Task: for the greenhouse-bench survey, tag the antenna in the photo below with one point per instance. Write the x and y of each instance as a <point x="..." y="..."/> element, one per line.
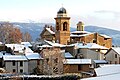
<point x="62" y="4"/>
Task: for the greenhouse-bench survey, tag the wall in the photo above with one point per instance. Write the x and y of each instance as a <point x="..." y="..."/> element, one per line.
<point x="9" y="67"/>
<point x="53" y="61"/>
<point x="104" y="42"/>
<point x="90" y="54"/>
<point x="47" y="35"/>
<point x="110" y="56"/>
<point x="32" y="64"/>
<point x="73" y="68"/>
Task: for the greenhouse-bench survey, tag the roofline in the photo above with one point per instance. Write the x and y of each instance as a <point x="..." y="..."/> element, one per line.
<point x="76" y="64"/>
<point x="62" y="18"/>
<point x="108" y="51"/>
<point x="15" y="60"/>
<point x="105" y="37"/>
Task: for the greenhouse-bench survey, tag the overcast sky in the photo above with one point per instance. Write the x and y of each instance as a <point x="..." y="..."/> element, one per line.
<point x="103" y="13"/>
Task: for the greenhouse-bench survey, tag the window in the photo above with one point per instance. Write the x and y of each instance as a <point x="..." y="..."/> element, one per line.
<point x="21" y="70"/>
<point x="21" y="63"/>
<point x="103" y="44"/>
<point x="38" y="62"/>
<point x="110" y="62"/>
<point x="79" y="67"/>
<point x="105" y="38"/>
<point x="13" y="63"/>
<point x="115" y="55"/>
<point x="47" y="60"/>
<point x="14" y="70"/>
<point x="78" y="50"/>
<point x="65" y="26"/>
<point x="94" y="41"/>
<point x="56" y="60"/>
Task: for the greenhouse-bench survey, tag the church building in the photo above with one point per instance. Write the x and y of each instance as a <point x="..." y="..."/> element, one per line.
<point x="62" y="33"/>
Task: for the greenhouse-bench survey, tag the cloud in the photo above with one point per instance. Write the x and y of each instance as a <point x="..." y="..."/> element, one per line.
<point x="115" y="14"/>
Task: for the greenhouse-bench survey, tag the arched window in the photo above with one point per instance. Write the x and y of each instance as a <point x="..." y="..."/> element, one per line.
<point x="65" y="26"/>
<point x="57" y="26"/>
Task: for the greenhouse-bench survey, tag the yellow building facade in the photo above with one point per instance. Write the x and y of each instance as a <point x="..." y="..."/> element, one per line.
<point x="62" y="34"/>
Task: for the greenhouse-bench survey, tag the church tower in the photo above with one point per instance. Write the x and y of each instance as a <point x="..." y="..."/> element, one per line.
<point x="80" y="26"/>
<point x="62" y="33"/>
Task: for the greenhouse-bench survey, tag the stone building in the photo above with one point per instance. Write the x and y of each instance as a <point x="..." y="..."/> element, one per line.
<point x="77" y="65"/>
<point x="88" y="51"/>
<point x="16" y="63"/>
<point x="113" y="55"/>
<point x="48" y="33"/>
<point x="63" y="35"/>
<point x="52" y="61"/>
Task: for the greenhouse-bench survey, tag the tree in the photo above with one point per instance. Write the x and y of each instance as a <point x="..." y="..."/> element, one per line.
<point x="53" y="61"/>
<point x="26" y="37"/>
<point x="9" y="33"/>
<point x="15" y="35"/>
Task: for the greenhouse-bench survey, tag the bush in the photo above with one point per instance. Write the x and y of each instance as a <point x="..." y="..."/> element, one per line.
<point x="46" y="77"/>
<point x="60" y="77"/>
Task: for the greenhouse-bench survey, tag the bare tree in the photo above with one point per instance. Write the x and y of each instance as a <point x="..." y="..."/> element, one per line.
<point x="26" y="37"/>
<point x="9" y="33"/>
<point x="53" y="61"/>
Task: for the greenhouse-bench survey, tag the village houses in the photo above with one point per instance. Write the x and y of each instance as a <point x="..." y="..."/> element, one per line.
<point x="60" y="51"/>
<point x="113" y="55"/>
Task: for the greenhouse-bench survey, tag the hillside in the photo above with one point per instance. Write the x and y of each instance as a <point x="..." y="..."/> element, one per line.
<point x="36" y="28"/>
<point x="33" y="28"/>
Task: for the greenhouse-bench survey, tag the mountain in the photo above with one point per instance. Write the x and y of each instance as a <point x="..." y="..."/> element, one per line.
<point x="33" y="28"/>
<point x="36" y="28"/>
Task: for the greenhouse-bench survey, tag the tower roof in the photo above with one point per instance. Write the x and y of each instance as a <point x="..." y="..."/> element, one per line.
<point x="80" y="22"/>
<point x="62" y="10"/>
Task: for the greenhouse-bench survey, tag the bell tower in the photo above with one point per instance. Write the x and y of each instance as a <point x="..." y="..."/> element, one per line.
<point x="80" y="26"/>
<point x="62" y="33"/>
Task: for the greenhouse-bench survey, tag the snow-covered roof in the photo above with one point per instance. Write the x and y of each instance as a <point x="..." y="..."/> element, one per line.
<point x="19" y="48"/>
<point x="28" y="50"/>
<point x="1" y="43"/>
<point x="68" y="55"/>
<point x="107" y="72"/>
<point x="54" y="44"/>
<point x="107" y="77"/>
<point x="49" y="30"/>
<point x="4" y="53"/>
<point x="26" y="44"/>
<point x="79" y="33"/>
<point x="105" y="36"/>
<point x="16" y="47"/>
<point x="75" y="35"/>
<point x="77" y="61"/>
<point x="33" y="56"/>
<point x="89" y="45"/>
<point x="100" y="61"/>
<point x="44" y="46"/>
<point x="117" y="49"/>
<point x="85" y="32"/>
<point x="14" y="58"/>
